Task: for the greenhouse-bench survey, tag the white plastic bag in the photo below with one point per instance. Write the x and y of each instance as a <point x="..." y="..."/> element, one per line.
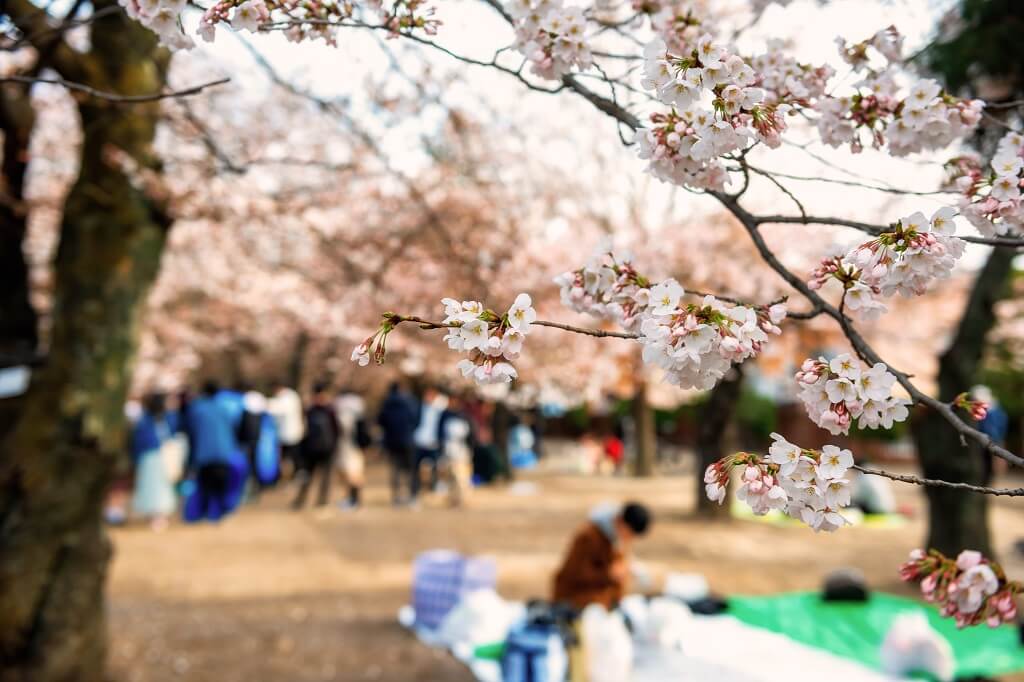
<point x="911" y="645"/>
<point x="607" y="645"/>
<point x="667" y="622"/>
<point x="480" y="617"/>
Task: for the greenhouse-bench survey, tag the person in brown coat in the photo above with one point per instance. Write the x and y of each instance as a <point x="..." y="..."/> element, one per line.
<point x="595" y="570"/>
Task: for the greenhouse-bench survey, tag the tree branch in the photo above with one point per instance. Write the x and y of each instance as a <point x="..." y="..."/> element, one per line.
<point x="750" y="222"/>
<point x="936" y="483"/>
<point x="113" y="96"/>
<point x="875" y="230"/>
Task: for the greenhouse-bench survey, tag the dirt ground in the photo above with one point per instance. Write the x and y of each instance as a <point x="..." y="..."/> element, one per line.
<point x="274" y="595"/>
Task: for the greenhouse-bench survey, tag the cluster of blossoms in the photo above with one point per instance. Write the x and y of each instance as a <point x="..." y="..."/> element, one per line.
<point x="991" y="200"/>
<point x="678" y="26"/>
<point x="808" y="485"/>
<point x="904" y="260"/>
<point x="716" y="109"/>
<point x="695" y="344"/>
<point x="971" y="589"/>
<point x="493" y="341"/>
<point x="551" y="36"/>
<point x="607" y="287"/>
<point x="909" y="119"/>
<point x="785" y="80"/>
<point x="859" y="297"/>
<point x="307" y="19"/>
<point x="888" y="42"/>
<point x="835" y="392"/>
<point x="920" y="118"/>
<point x="162" y="17"/>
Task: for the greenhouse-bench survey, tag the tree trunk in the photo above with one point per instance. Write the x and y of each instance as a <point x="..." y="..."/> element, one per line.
<point x="501" y="425"/>
<point x="60" y="456"/>
<point x="958" y="520"/>
<point x="646" y="434"/>
<point x="18" y="333"/>
<point x="715" y="418"/>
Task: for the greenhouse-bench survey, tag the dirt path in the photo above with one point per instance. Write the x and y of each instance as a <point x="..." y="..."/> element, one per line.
<point x="272" y="595"/>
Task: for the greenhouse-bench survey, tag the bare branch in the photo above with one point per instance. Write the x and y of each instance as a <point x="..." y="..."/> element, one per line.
<point x="936" y="483"/>
<point x="113" y="96"/>
<point x="587" y="330"/>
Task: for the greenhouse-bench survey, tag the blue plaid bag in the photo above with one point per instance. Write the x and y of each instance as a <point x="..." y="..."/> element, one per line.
<point x="441" y="578"/>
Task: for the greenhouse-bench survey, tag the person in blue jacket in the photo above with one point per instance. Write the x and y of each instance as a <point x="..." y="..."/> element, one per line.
<point x="215" y="460"/>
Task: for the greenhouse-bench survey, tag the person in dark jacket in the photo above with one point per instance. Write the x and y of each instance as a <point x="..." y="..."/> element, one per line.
<point x="318" y="447"/>
<point x="397" y="419"/>
<point x="249" y="431"/>
<point x="596" y="568"/>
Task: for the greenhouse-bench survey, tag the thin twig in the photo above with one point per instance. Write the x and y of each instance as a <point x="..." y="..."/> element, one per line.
<point x="937" y="483"/>
<point x="850" y="183"/>
<point x="113" y="96"/>
<point x="587" y="330"/>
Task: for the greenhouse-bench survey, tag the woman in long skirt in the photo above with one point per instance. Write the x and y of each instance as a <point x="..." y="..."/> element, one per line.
<point x="153" y="498"/>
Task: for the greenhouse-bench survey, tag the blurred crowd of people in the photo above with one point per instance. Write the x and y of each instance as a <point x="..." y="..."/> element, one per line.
<point x="207" y="453"/>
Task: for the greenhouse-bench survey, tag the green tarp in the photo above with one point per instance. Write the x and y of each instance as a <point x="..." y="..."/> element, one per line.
<point x="856" y="631"/>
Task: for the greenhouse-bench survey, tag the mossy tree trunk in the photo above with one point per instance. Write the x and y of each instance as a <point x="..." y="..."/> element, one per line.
<point x="958" y="520"/>
<point x="68" y="440"/>
<point x="715" y="417"/>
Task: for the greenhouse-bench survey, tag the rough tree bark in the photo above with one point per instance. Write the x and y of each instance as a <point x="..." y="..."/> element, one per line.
<point x="59" y="457"/>
<point x="958" y="520"/>
<point x="646" y="434"/>
<point x="715" y="417"/>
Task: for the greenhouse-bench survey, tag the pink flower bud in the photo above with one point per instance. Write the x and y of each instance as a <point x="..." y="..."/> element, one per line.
<point x="917" y="554"/>
<point x="751" y="473"/>
<point x="928" y="584"/>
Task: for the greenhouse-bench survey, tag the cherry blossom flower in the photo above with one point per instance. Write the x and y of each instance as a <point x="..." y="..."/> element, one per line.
<point x="521" y="315"/>
<point x="836" y="392"/>
<point x="551" y="36"/>
<point x="808" y="485"/>
<point x="971" y="589"/>
<point x="991" y="201"/>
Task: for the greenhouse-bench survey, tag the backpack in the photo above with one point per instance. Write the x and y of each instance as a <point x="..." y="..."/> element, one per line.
<point x="320" y="432"/>
<point x="362" y="435"/>
<point x="535" y="652"/>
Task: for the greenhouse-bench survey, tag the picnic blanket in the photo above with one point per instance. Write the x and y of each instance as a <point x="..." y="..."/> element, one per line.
<point x="855" y="630"/>
<point x="716" y="648"/>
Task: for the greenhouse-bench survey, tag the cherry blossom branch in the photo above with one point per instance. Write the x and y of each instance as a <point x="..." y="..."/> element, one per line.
<point x="113" y="96"/>
<point x="875" y="230"/>
<point x="751" y="222"/>
<point x="937" y="483"/>
<point x="600" y="333"/>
